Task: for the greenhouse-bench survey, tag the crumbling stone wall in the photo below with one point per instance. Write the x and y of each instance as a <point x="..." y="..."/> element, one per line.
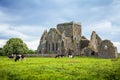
<point x="107" y="49"/>
<point x="84" y="42"/>
<point x="42" y="44"/>
<point x="86" y="51"/>
<point x="95" y="41"/>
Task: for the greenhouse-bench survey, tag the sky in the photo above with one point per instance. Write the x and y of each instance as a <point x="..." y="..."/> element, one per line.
<point x="28" y="19"/>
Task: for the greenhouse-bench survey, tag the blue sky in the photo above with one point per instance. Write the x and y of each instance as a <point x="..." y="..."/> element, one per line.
<point x="28" y="19"/>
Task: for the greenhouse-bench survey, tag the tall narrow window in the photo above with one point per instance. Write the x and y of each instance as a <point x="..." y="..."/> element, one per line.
<point x="52" y="46"/>
<point x="62" y="44"/>
<point x="46" y="45"/>
<point x="56" y="46"/>
<point x="49" y="47"/>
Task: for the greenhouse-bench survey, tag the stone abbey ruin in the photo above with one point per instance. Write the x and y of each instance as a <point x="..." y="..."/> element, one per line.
<point x="67" y="36"/>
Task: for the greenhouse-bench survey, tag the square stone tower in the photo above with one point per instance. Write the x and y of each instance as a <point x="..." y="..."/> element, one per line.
<point x="72" y="35"/>
<point x="71" y="29"/>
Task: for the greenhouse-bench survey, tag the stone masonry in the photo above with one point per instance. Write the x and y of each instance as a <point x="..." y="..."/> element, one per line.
<point x="59" y="40"/>
<point x="67" y="36"/>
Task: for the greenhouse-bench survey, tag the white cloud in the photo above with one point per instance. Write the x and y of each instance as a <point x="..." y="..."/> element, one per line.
<point x="30" y="30"/>
<point x="8" y="31"/>
<point x="32" y="44"/>
<point x="2" y="42"/>
<point x="104" y="26"/>
<point x="105" y="29"/>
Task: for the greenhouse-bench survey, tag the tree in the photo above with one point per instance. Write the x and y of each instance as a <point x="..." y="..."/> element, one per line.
<point x="1" y="52"/>
<point x="15" y="46"/>
<point x="31" y="52"/>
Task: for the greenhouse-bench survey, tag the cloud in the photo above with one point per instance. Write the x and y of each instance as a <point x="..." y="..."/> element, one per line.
<point x="6" y="17"/>
<point x="32" y="44"/>
<point x="2" y="42"/>
<point x="31" y="30"/>
<point x="7" y="31"/>
<point x="114" y="12"/>
<point x="56" y="11"/>
<point x="105" y="29"/>
<point x="1" y="14"/>
<point x="29" y="34"/>
<point x="103" y="26"/>
<point x="28" y="19"/>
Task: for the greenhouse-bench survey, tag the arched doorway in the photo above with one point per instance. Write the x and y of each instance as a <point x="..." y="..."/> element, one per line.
<point x="62" y="44"/>
<point x="93" y="53"/>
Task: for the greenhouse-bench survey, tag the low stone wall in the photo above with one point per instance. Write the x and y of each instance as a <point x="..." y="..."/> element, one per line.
<point x="40" y="55"/>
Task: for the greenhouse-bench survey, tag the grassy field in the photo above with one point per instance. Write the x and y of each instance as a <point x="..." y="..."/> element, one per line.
<point x="78" y="68"/>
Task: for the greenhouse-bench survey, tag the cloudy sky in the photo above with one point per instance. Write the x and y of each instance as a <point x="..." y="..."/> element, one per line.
<point x="27" y="19"/>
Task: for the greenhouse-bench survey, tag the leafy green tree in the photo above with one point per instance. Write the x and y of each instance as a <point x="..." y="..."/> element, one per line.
<point x="35" y="51"/>
<point x="31" y="52"/>
<point x="1" y="52"/>
<point x="15" y="46"/>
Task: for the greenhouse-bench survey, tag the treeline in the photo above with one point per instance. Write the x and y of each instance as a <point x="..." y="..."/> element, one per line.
<point x="29" y="52"/>
<point x="16" y="46"/>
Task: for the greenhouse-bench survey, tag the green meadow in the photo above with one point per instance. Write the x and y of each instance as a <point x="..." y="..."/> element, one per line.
<point x="77" y="68"/>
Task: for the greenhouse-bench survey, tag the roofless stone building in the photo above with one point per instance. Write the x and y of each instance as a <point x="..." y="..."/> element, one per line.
<point x="67" y="36"/>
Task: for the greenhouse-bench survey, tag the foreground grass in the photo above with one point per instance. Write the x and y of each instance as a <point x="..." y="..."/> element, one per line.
<point x="78" y="68"/>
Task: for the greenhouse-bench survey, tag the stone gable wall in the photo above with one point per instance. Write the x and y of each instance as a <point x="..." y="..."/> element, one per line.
<point x="107" y="49"/>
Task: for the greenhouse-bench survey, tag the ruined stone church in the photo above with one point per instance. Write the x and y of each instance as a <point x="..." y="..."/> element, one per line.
<point x="67" y="36"/>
